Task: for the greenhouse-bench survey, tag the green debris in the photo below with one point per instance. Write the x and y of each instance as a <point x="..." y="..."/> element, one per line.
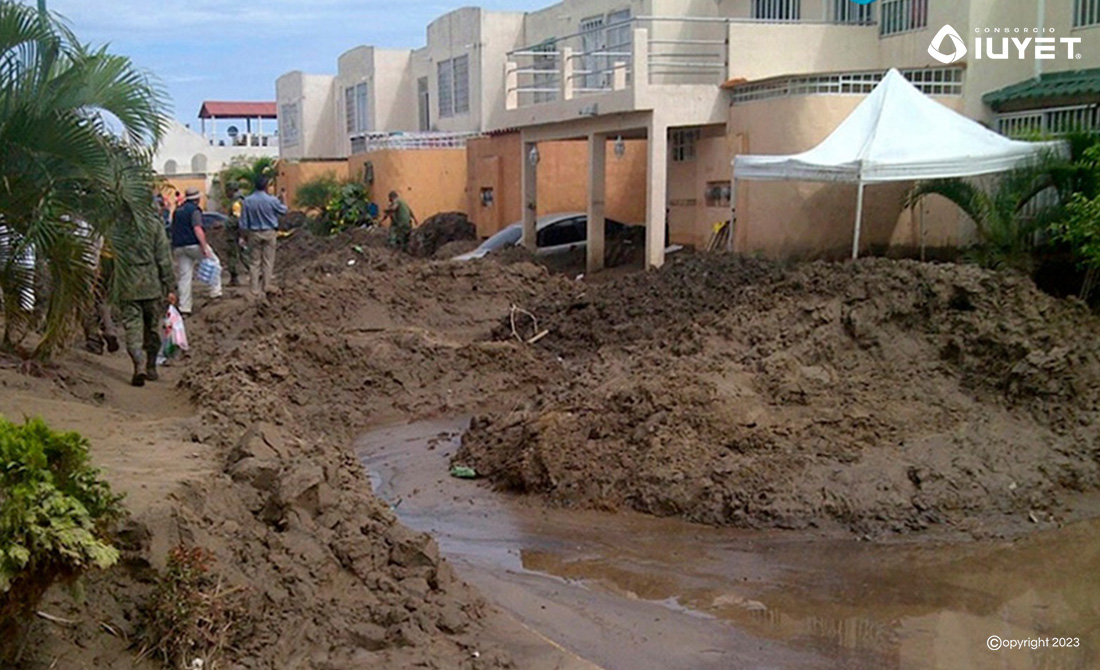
<point x="357" y="249"/>
<point x="463" y="472"/>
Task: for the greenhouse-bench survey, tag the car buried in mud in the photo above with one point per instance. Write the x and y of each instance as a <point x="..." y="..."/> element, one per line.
<point x="556" y="234"/>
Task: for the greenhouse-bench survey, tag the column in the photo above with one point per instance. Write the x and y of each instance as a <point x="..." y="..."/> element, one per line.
<point x="567" y="66"/>
<point x="511" y="85"/>
<point x="597" y="189"/>
<point x="530" y="196"/>
<point x="657" y="195"/>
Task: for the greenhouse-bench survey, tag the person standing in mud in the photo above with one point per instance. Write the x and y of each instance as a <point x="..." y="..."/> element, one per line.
<point x="236" y="254"/>
<point x="402" y="220"/>
<point x="260" y="214"/>
<point x="144" y="264"/>
<point x="189" y="246"/>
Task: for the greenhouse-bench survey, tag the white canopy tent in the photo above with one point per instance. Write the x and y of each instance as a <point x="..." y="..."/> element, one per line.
<point x="896" y="134"/>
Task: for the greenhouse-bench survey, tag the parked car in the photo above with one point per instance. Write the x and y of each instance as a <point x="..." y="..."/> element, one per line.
<point x="556" y="234"/>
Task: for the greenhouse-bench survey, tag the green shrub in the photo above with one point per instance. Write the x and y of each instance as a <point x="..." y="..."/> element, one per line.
<point x="316" y="193"/>
<point x="349" y="208"/>
<point x="55" y="515"/>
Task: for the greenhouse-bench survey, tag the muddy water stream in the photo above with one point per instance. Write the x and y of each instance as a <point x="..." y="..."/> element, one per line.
<point x="629" y="592"/>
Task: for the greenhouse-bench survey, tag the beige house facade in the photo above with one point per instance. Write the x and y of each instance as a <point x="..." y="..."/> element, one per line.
<point x="693" y="83"/>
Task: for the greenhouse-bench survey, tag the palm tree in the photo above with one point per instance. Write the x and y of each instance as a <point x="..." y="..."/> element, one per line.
<point x="75" y="128"/>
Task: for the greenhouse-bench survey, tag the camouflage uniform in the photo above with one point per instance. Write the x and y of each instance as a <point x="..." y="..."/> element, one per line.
<point x="144" y="265"/>
<point x="401" y="218"/>
<point x="234" y="254"/>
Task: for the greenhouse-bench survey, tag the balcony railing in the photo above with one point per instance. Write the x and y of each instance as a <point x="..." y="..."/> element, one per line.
<point x="604" y="58"/>
<point x="1053" y="121"/>
<point x="410" y="141"/>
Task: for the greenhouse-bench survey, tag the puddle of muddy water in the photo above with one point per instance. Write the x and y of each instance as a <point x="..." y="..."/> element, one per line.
<point x="634" y="592"/>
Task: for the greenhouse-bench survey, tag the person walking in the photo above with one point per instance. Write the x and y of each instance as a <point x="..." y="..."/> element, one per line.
<point x="402" y="220"/>
<point x="145" y="282"/>
<point x="189" y="247"/>
<point x="260" y="222"/>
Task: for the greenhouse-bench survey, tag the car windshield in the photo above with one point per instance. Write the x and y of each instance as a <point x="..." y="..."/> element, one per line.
<point x="508" y="237"/>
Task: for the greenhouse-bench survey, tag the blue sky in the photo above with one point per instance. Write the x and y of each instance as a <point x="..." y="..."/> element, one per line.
<point x="216" y="50"/>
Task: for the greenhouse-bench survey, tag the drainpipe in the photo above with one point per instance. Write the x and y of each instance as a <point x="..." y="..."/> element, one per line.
<point x="1042" y="32"/>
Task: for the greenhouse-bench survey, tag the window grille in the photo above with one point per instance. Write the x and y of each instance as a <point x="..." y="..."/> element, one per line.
<point x="362" y="116"/>
<point x="777" y="10"/>
<point x="461" y="78"/>
<point x="900" y="16"/>
<point x="349" y="109"/>
<point x="445" y="74"/>
<point x="1086" y="13"/>
<point x="846" y="11"/>
<point x="683" y="145"/>
<point x="931" y="81"/>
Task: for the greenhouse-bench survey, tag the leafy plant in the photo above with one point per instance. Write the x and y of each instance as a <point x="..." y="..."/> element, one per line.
<point x="349" y="208"/>
<point x="73" y="122"/>
<point x="315" y="194"/>
<point x="240" y="177"/>
<point x="191" y="615"/>
<point x="55" y="514"/>
<point x="1079" y="228"/>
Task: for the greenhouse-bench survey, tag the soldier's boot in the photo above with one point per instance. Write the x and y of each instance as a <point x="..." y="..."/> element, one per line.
<point x="138" y="357"/>
<point x="151" y="366"/>
<point x="112" y="342"/>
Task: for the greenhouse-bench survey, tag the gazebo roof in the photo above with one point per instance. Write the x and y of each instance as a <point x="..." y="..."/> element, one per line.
<point x="213" y="109"/>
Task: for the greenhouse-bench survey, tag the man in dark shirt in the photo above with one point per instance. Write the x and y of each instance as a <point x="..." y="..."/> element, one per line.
<point x="189" y="247"/>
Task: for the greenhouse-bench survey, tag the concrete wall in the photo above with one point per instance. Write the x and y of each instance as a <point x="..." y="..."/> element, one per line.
<point x="293" y="174"/>
<point x="810" y="220"/>
<point x="690" y="220"/>
<point x="762" y="51"/>
<point x="456" y="33"/>
<point x="192" y="154"/>
<point x="431" y="181"/>
<point x="494" y="162"/>
<point x="313" y="101"/>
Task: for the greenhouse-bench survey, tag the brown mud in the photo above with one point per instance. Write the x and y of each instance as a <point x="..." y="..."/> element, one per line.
<point x="869" y="396"/>
<point x="878" y="396"/>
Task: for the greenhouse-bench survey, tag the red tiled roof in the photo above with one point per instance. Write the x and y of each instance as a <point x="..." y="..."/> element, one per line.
<point x="212" y="109"/>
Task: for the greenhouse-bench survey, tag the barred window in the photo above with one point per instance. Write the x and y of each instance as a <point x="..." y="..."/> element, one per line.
<point x="900" y="16"/>
<point x="445" y="79"/>
<point x="777" y="10"/>
<point x="349" y="109"/>
<point x="289" y="123"/>
<point x="362" y="116"/>
<point x="846" y="11"/>
<point x="930" y="81"/>
<point x="1086" y="13"/>
<point x="461" y="77"/>
<point x="683" y="145"/>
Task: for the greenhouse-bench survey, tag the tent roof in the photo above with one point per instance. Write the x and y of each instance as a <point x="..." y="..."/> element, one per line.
<point x="896" y="134"/>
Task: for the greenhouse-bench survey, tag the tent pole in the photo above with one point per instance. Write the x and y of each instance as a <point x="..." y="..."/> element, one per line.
<point x="859" y="222"/>
<point x="923" y="258"/>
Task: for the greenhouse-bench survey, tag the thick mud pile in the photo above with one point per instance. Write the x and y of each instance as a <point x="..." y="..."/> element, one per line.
<point x="877" y="396"/>
<point x="355" y="338"/>
<point x="440" y="230"/>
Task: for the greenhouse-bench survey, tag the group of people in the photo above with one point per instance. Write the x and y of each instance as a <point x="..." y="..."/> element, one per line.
<point x="161" y="263"/>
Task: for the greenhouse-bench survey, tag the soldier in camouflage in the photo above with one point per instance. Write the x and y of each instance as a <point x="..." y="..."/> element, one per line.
<point x="144" y="264"/>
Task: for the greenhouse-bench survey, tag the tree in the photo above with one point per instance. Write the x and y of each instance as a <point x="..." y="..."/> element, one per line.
<point x="75" y="127"/>
<point x="1079" y="228"/>
<point x="315" y="194"/>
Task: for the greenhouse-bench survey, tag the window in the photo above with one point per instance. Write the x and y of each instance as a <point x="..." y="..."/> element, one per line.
<point x="946" y="81"/>
<point x="570" y="231"/>
<point x="620" y="40"/>
<point x="423" y="104"/>
<point x="445" y="73"/>
<point x="289" y="124"/>
<point x="899" y="16"/>
<point x="777" y="10"/>
<point x="719" y="193"/>
<point x="358" y="145"/>
<point x="362" y="117"/>
<point x="462" y="84"/>
<point x="349" y="109"/>
<point x="1086" y="13"/>
<point x="546" y="85"/>
<point x="592" y="42"/>
<point x="683" y="145"/>
<point x="454" y="86"/>
<point x="846" y="11"/>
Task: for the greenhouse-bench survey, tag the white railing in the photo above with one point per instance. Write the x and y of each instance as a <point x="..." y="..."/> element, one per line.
<point x="413" y="141"/>
<point x="1049" y="122"/>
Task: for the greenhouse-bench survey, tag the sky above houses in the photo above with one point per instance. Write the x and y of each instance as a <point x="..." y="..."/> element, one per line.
<point x="216" y="50"/>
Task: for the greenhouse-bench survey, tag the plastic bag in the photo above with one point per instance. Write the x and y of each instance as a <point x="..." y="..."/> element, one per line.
<point x="175" y="336"/>
<point x="210" y="271"/>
